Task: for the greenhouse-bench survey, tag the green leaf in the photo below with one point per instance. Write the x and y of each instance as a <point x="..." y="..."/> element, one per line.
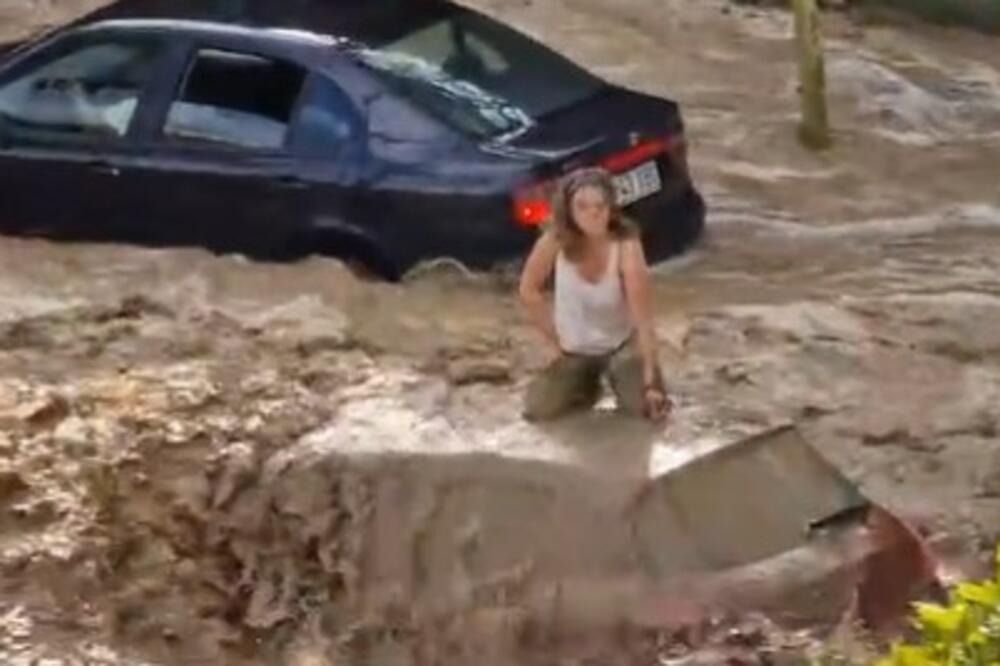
<point x="985" y="594"/>
<point x="942" y="621"/>
<point x="977" y="638"/>
<point x="909" y="655"/>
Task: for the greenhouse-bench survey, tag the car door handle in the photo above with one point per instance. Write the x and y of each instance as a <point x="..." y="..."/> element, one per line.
<point x="104" y="167"/>
<point x="290" y="183"/>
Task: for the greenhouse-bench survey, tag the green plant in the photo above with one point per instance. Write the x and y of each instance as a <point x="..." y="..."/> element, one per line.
<point x="965" y="632"/>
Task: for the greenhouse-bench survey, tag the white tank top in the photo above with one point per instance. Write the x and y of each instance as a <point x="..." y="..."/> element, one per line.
<point x="591" y="318"/>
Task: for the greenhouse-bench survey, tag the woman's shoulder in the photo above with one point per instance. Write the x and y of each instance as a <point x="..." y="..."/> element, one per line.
<point x="544" y="254"/>
<point x="627" y="228"/>
<point x="628" y="244"/>
<point x="548" y="238"/>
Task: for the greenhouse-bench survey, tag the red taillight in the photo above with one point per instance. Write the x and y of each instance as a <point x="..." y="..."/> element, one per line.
<point x="532" y="204"/>
<point x="637" y="154"/>
<point x="532" y="213"/>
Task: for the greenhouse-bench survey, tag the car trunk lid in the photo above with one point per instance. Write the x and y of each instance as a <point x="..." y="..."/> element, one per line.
<point x="638" y="138"/>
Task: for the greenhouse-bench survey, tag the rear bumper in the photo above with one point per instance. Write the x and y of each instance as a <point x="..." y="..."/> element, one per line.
<point x="481" y="234"/>
<point x="478" y="232"/>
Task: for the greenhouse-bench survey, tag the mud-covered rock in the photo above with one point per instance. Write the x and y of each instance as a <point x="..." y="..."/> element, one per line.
<point x="466" y="371"/>
<point x="237" y="469"/>
<point x="12" y="486"/>
<point x="989" y="482"/>
<point x="45" y="411"/>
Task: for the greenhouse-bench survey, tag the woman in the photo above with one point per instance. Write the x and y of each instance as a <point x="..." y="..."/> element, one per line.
<point x="600" y="321"/>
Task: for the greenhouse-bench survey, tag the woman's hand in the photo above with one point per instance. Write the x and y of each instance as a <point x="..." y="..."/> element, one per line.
<point x="657" y="404"/>
<point x="552" y="353"/>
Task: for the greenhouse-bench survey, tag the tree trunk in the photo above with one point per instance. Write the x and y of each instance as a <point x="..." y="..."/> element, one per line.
<point x="814" y="130"/>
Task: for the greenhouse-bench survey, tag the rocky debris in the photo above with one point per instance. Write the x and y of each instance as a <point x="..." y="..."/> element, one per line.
<point x="735" y="373"/>
<point x="237" y="470"/>
<point x="750" y="640"/>
<point x="135" y="306"/>
<point x="306" y="324"/>
<point x="42" y="412"/>
<point x="466" y="371"/>
<point x="109" y="472"/>
<point x="12" y="485"/>
<point x="839" y="5"/>
<point x="483" y="360"/>
<point x="989" y="483"/>
<point x="981" y="423"/>
<point x="815" y="411"/>
<point x="8" y="446"/>
<point x="888" y="434"/>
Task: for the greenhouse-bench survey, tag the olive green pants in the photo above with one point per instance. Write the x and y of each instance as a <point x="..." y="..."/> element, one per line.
<point x="573" y="382"/>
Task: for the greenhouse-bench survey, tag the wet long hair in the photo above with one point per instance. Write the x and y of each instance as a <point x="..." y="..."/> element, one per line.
<point x="567" y="231"/>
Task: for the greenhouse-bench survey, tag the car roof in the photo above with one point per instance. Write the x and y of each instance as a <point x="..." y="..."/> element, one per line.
<point x="369" y="22"/>
<point x="209" y="28"/>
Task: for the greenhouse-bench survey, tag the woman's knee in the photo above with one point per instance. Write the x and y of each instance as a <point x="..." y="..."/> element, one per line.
<point x="543" y="403"/>
<point x="540" y="410"/>
<point x="561" y="390"/>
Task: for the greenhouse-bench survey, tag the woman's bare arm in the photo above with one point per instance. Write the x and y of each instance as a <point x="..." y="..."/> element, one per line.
<point x="635" y="272"/>
<point x="537" y="269"/>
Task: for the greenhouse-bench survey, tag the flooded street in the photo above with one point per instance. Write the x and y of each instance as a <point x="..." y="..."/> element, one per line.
<point x="180" y="431"/>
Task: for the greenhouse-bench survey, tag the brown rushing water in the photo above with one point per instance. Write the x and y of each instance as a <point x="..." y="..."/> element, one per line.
<point x="855" y="293"/>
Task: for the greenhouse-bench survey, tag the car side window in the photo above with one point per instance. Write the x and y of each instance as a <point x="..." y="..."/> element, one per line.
<point x="328" y="123"/>
<point x="89" y="92"/>
<point x="235" y="100"/>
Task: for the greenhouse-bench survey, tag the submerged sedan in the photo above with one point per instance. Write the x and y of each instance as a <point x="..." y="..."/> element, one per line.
<point x="385" y="133"/>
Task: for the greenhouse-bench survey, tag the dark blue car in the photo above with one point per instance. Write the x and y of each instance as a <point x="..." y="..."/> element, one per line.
<point x="382" y="132"/>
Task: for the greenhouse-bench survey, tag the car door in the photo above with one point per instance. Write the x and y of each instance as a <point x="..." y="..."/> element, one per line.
<point x="216" y="166"/>
<point x="329" y="138"/>
<point x="67" y="113"/>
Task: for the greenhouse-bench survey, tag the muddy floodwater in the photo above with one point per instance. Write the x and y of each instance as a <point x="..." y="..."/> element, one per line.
<point x="193" y="447"/>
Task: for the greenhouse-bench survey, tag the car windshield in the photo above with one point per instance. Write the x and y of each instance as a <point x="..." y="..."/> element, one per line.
<point x="478" y="75"/>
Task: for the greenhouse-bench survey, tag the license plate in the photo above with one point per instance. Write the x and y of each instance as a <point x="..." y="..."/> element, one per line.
<point x="638" y="183"/>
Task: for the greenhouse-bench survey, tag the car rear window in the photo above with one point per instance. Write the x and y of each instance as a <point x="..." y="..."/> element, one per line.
<point x="480" y="76"/>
